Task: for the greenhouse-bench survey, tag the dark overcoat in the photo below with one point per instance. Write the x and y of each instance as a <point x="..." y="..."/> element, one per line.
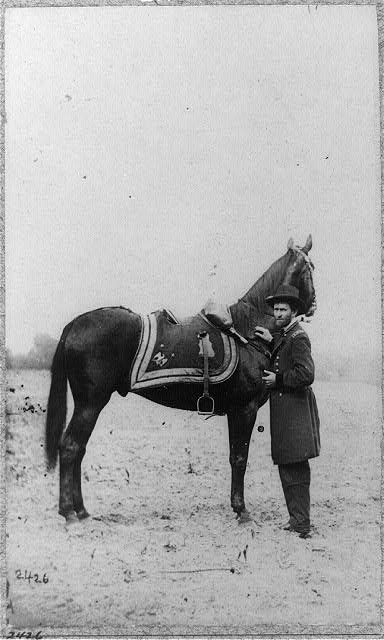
<point x="295" y="425"/>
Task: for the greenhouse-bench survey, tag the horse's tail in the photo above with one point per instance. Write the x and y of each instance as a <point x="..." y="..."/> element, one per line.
<point x="57" y="402"/>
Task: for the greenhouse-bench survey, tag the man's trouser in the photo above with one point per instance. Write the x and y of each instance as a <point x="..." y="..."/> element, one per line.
<point x="295" y="480"/>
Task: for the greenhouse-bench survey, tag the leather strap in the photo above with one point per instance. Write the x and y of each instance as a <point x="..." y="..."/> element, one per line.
<point x="205" y="404"/>
<point x="204" y="341"/>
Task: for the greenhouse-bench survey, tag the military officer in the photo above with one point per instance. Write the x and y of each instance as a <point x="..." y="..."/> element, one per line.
<point x="295" y="435"/>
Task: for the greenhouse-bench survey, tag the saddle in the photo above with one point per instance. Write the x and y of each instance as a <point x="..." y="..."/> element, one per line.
<point x="171" y="352"/>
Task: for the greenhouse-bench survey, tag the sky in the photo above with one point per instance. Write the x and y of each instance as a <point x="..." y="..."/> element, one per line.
<point x="158" y="156"/>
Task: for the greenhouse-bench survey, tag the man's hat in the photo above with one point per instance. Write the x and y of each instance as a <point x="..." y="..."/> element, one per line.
<point x="287" y="293"/>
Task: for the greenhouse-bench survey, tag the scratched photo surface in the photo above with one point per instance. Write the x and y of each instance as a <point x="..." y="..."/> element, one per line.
<point x="156" y="157"/>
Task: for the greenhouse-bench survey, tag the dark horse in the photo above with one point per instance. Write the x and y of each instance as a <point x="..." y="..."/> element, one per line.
<point x="95" y="353"/>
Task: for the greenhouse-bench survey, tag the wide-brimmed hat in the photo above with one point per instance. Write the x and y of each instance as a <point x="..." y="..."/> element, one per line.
<point x="287" y="293"/>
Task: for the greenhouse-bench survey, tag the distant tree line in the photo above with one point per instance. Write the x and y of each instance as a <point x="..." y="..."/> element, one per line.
<point x="39" y="357"/>
<point x="330" y="366"/>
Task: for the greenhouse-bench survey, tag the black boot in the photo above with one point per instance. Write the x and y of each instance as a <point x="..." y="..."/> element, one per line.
<point x="295" y="481"/>
<point x="298" y="504"/>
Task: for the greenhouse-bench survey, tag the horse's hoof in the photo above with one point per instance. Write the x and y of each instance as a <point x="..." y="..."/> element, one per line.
<point x="82" y="514"/>
<point x="237" y="507"/>
<point x="70" y="517"/>
<point x="244" y="517"/>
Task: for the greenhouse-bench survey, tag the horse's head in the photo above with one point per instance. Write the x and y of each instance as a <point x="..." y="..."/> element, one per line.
<point x="300" y="274"/>
<point x="294" y="267"/>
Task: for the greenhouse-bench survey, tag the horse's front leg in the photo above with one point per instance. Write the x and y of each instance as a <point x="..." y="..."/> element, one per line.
<point x="240" y="423"/>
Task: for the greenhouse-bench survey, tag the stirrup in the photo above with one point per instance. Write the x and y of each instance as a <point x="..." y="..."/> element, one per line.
<point x="205" y="405"/>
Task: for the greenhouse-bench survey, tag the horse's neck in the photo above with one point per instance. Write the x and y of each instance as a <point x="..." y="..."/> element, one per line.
<point x="267" y="284"/>
<point x="245" y="317"/>
<point x="252" y="309"/>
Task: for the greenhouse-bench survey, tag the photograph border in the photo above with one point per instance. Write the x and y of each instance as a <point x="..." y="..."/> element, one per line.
<point x="265" y="631"/>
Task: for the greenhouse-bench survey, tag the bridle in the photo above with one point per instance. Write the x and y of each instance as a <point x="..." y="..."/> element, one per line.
<point x="311" y="267"/>
<point x="306" y="257"/>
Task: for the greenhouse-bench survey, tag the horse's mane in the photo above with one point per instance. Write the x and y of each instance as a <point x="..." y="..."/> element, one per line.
<point x="251" y="308"/>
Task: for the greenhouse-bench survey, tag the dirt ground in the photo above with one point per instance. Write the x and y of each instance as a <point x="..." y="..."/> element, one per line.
<point x="163" y="552"/>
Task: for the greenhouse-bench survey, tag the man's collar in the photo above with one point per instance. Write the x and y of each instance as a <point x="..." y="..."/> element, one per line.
<point x="290" y="326"/>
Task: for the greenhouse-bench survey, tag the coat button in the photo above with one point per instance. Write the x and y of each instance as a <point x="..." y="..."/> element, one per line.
<point x="280" y="394"/>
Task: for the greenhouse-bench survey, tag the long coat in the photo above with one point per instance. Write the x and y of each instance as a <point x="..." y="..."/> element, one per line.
<point x="295" y="425"/>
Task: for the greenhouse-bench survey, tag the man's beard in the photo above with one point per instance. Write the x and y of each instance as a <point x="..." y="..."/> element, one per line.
<point x="280" y="323"/>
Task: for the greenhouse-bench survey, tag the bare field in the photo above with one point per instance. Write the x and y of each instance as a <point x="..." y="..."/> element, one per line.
<point x="163" y="552"/>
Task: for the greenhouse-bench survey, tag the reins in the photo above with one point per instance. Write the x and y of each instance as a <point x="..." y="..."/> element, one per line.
<point x="258" y="346"/>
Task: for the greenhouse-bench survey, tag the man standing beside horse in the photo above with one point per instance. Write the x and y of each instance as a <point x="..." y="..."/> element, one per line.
<point x="295" y="436"/>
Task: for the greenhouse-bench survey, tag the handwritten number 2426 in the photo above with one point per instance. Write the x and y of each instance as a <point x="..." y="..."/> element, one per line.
<point x="29" y="577"/>
<point x="24" y="634"/>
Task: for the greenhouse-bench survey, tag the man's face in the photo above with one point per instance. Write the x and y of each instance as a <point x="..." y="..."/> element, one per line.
<point x="283" y="314"/>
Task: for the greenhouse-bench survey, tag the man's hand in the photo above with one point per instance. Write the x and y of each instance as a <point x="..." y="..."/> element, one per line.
<point x="269" y="379"/>
<point x="264" y="334"/>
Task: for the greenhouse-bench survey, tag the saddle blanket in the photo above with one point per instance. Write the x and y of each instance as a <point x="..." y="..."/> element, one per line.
<point x="170" y="352"/>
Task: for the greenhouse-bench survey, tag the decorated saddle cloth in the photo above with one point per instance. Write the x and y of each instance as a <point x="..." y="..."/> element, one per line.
<point x="172" y="352"/>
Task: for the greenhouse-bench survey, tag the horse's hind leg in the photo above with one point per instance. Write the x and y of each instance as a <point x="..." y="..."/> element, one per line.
<point x="78" y="503"/>
<point x="72" y="450"/>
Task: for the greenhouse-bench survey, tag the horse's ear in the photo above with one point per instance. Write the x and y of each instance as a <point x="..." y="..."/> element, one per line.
<point x="290" y="244"/>
<point x="308" y="245"/>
